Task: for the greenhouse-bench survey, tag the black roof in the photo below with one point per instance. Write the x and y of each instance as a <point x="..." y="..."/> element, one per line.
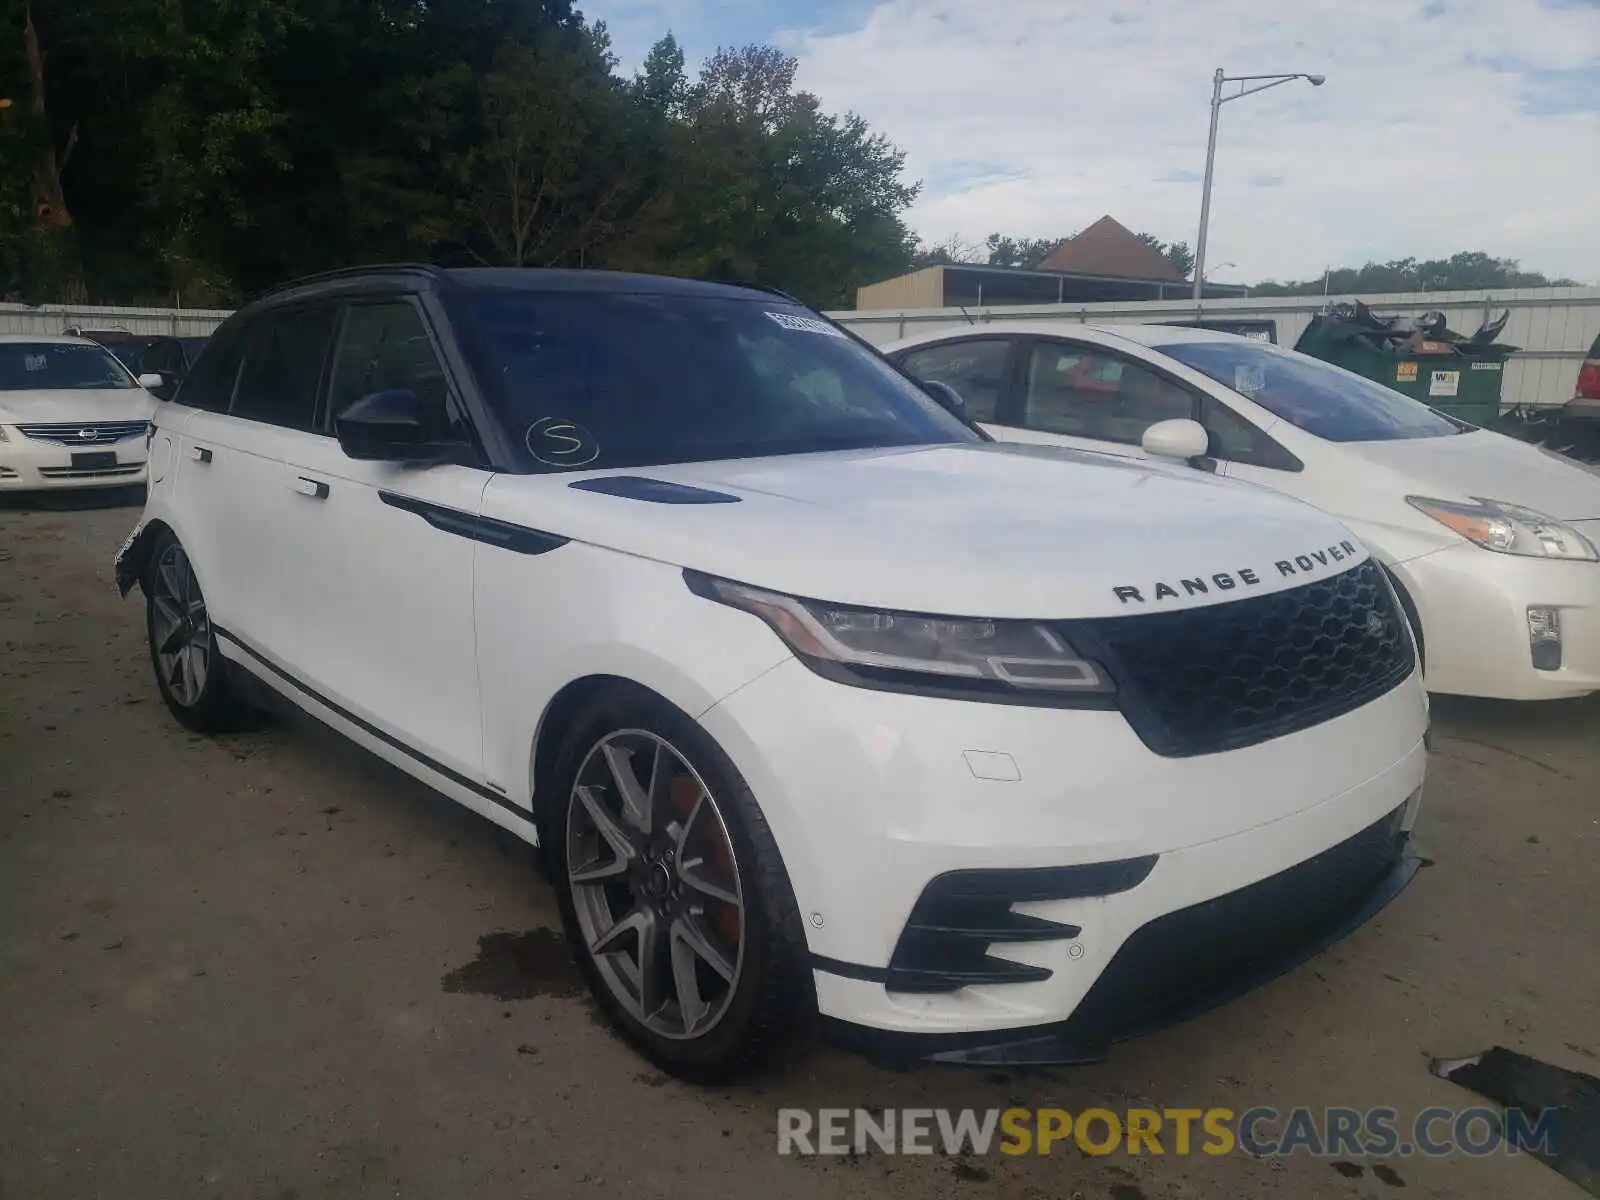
<point x="529" y="279"/>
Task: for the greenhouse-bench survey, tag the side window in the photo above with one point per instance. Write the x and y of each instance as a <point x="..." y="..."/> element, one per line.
<point x="283" y="361"/>
<point x="1081" y="391"/>
<point x="165" y="356"/>
<point x="975" y="368"/>
<point x="385" y="346"/>
<point x="1235" y="439"/>
<point x="210" y="384"/>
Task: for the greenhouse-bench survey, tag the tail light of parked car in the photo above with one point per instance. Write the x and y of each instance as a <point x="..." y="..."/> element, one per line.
<point x="1589" y="380"/>
<point x="1589" y="374"/>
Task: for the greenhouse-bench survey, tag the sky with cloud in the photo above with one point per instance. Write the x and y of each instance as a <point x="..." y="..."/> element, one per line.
<point x="1444" y="124"/>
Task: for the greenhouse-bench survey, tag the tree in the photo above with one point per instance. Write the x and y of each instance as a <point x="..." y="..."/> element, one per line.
<point x="760" y="185"/>
<point x="662" y="84"/>
<point x="1018" y="251"/>
<point x="1176" y="253"/>
<point x="954" y="249"/>
<point x="1466" y="270"/>
<point x="225" y="145"/>
<point x="542" y="186"/>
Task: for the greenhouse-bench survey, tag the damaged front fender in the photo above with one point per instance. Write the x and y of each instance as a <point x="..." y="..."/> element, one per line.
<point x="132" y="557"/>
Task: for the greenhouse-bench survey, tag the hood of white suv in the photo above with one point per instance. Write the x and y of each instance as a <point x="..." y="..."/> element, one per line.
<point x="1491" y="466"/>
<point x="976" y="530"/>
<point x="87" y="404"/>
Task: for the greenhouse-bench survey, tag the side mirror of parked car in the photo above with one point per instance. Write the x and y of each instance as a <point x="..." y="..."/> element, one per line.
<point x="159" y="384"/>
<point x="947" y="397"/>
<point x="392" y="426"/>
<point x="1179" y="438"/>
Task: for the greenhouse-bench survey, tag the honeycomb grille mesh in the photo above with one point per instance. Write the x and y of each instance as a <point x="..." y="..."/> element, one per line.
<point x="1204" y="680"/>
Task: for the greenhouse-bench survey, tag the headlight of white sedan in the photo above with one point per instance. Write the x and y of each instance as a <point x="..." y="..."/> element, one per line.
<point x="1509" y="528"/>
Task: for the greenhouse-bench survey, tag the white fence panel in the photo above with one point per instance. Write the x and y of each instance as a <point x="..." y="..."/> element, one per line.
<point x="57" y="318"/>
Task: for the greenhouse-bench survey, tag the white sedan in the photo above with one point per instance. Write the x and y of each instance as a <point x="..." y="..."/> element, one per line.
<point x="1491" y="541"/>
<point x="71" y="415"/>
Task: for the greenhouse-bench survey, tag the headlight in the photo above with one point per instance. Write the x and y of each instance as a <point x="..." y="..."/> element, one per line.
<point x="1020" y="661"/>
<point x="1509" y="528"/>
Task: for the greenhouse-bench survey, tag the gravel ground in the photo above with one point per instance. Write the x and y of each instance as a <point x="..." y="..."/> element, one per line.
<point x="267" y="966"/>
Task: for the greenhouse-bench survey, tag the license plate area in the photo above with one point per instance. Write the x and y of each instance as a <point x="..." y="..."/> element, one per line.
<point x="94" y="460"/>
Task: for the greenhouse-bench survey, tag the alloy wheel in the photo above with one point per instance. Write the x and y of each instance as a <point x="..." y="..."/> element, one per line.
<point x="180" y="631"/>
<point x="655" y="884"/>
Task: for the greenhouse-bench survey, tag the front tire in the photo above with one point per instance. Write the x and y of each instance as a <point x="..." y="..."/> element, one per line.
<point x="673" y="894"/>
<point x="190" y="674"/>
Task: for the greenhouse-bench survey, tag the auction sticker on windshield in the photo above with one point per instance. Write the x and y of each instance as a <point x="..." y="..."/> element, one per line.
<point x="805" y="324"/>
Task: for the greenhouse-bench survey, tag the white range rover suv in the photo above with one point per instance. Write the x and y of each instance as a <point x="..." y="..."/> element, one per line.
<point x="819" y="702"/>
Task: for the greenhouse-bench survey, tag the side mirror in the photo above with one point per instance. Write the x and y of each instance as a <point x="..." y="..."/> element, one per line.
<point x="1179" y="438"/>
<point x="393" y="426"/>
<point x="161" y="386"/>
<point x="949" y="399"/>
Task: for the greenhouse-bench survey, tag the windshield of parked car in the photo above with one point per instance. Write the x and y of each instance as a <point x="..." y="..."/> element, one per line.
<point x="586" y="379"/>
<point x="59" y="366"/>
<point x="1326" y="401"/>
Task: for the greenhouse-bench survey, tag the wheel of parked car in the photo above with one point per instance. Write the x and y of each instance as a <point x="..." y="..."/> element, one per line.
<point x="190" y="673"/>
<point x="673" y="893"/>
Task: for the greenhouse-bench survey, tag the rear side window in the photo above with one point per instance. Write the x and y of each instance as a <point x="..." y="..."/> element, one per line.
<point x="283" y="361"/>
<point x="165" y="356"/>
<point x="210" y="384"/>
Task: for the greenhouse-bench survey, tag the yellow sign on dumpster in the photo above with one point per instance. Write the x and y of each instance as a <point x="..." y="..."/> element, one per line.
<point x="1406" y="373"/>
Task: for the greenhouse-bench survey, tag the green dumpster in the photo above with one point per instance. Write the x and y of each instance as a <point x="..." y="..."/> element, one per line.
<point x="1422" y="359"/>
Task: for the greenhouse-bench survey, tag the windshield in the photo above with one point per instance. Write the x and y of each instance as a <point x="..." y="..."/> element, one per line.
<point x="603" y="379"/>
<point x="59" y="366"/>
<point x="1324" y="400"/>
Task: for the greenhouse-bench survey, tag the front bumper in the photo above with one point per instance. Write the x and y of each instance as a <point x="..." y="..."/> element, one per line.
<point x="27" y="465"/>
<point x="1189" y="961"/>
<point x="1474" y="605"/>
<point x="872" y="797"/>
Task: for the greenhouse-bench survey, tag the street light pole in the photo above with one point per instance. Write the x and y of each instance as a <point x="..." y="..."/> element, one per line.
<point x="1205" y="188"/>
<point x="1258" y="83"/>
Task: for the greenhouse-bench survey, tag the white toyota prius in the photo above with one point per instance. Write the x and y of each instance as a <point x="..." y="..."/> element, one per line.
<point x="71" y="415"/>
<point x="1490" y="541"/>
<point x="818" y="701"/>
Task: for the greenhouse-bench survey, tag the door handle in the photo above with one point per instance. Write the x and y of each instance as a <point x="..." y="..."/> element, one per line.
<point x="200" y="454"/>
<point x="307" y="486"/>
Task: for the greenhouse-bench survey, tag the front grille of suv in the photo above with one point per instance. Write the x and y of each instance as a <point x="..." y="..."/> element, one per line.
<point x="1204" y="680"/>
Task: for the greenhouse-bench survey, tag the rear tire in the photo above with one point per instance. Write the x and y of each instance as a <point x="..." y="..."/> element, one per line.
<point x="190" y="673"/>
<point x="673" y="894"/>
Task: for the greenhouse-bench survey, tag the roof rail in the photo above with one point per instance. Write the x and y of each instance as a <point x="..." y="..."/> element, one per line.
<point x="350" y="272"/>
<point x="751" y="285"/>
